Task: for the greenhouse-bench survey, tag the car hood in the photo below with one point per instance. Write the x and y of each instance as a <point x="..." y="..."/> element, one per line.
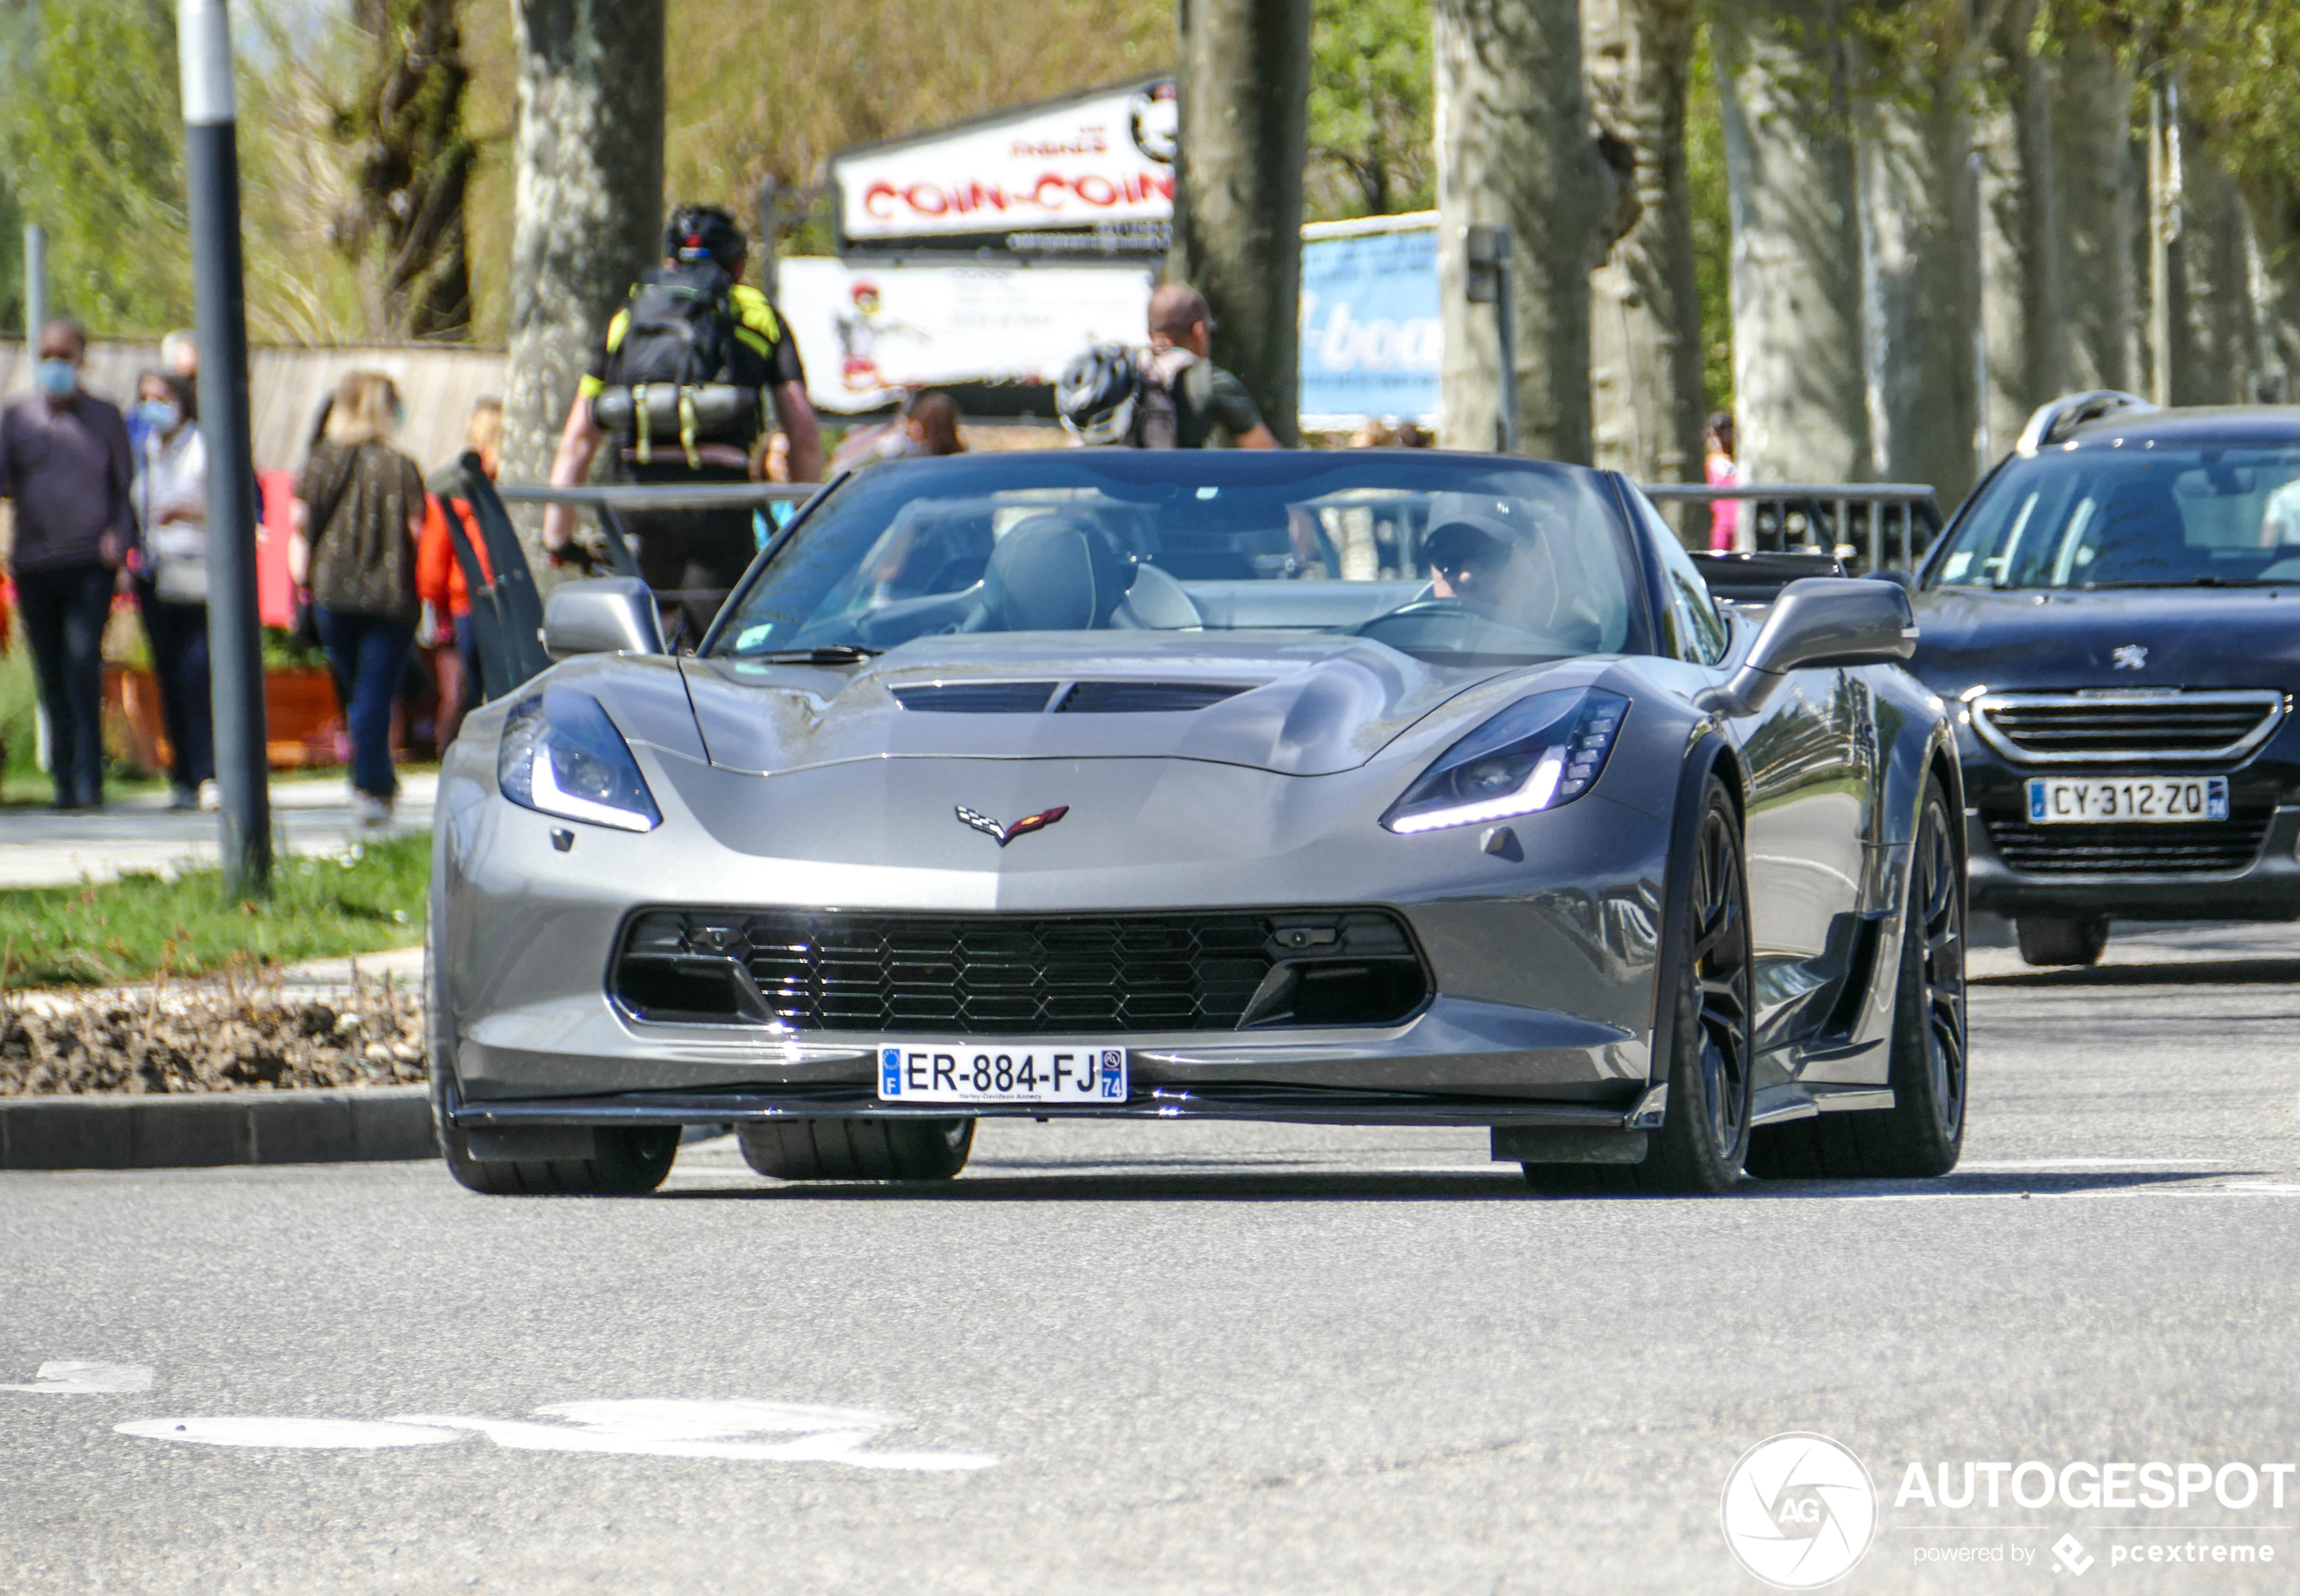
<point x="1305" y="705"/>
<point x="2011" y="642"/>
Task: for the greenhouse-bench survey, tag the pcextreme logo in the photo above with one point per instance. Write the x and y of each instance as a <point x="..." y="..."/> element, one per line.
<point x="1800" y="1511"/>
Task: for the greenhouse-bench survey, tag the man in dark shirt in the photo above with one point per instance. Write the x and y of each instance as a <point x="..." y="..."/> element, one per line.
<point x="1209" y="402"/>
<point x="64" y="461"/>
<point x="691" y="550"/>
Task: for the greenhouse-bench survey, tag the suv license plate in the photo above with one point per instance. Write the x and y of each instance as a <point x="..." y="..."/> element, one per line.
<point x="2146" y="800"/>
<point x="1002" y="1071"/>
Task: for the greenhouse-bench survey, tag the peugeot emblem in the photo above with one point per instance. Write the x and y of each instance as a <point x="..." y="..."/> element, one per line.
<point x="1007" y="834"/>
<point x="2129" y="656"/>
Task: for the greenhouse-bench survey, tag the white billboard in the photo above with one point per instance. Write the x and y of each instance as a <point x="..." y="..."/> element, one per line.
<point x="867" y="333"/>
<point x="1092" y="174"/>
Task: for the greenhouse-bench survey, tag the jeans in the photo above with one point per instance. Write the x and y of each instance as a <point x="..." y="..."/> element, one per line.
<point x="178" y="633"/>
<point x="63" y="614"/>
<point x="370" y="657"/>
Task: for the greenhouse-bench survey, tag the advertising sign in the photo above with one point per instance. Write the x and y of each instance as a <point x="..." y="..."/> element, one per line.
<point x="867" y="333"/>
<point x="1370" y="339"/>
<point x="1092" y="174"/>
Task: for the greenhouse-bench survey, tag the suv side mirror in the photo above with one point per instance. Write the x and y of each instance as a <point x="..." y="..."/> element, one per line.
<point x="1820" y="621"/>
<point x="606" y="614"/>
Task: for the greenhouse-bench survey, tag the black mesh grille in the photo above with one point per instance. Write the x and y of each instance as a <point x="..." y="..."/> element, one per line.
<point x="976" y="698"/>
<point x="993" y="974"/>
<point x="1119" y="698"/>
<point x="2217" y="847"/>
<point x="2171" y="726"/>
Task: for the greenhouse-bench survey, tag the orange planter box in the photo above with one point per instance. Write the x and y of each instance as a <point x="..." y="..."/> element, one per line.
<point x="303" y="724"/>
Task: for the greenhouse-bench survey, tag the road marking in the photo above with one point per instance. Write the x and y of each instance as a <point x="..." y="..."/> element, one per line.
<point x="633" y="1428"/>
<point x="303" y="1434"/>
<point x="77" y="1379"/>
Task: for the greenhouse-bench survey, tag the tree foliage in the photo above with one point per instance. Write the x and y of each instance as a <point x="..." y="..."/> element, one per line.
<point x="92" y="139"/>
<point x="1370" y="106"/>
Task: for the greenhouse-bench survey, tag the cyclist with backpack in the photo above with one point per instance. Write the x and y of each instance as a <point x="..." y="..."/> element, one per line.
<point x="681" y="383"/>
<point x="1168" y="397"/>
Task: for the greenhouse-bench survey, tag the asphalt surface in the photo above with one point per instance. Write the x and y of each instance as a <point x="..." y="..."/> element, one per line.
<point x="1200" y="1359"/>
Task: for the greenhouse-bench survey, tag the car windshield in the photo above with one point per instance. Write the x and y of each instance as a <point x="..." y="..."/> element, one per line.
<point x="2135" y="516"/>
<point x="1452" y="558"/>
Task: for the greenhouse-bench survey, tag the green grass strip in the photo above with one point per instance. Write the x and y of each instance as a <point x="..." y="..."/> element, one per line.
<point x="366" y="899"/>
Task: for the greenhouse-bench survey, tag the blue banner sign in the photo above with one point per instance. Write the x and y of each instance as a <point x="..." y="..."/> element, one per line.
<point x="1369" y="329"/>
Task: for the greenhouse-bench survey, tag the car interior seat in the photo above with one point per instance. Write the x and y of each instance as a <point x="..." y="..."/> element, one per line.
<point x="1052" y="573"/>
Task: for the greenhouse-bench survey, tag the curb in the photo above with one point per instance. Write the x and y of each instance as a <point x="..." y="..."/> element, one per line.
<point x="203" y="1129"/>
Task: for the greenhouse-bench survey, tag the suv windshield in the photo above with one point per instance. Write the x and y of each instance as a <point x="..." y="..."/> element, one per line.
<point x="2190" y="515"/>
<point x="1451" y="559"/>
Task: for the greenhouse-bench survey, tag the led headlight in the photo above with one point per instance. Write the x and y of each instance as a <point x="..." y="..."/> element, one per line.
<point x="1540" y="752"/>
<point x="562" y="756"/>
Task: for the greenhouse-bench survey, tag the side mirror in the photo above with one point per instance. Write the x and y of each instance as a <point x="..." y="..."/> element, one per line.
<point x="1820" y="621"/>
<point x="606" y="615"/>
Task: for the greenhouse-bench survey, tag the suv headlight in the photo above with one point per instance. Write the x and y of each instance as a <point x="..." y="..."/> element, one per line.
<point x="1541" y="751"/>
<point x="561" y="755"/>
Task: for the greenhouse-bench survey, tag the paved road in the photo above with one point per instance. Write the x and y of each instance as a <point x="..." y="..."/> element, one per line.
<point x="1157" y="1359"/>
<point x="309" y="816"/>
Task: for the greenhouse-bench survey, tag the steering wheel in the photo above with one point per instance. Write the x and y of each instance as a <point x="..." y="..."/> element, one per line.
<point x="1421" y="609"/>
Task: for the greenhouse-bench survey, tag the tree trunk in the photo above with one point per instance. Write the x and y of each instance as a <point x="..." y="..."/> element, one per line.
<point x="587" y="197"/>
<point x="2275" y="218"/>
<point x="1514" y="149"/>
<point x="1244" y="90"/>
<point x="1917" y="225"/>
<point x="2097" y="179"/>
<point x="2021" y="303"/>
<point x="1645" y="319"/>
<point x="2216" y="335"/>
<point x="1799" y="377"/>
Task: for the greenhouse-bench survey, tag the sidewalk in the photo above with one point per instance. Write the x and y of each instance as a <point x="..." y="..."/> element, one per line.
<point x="309" y="816"/>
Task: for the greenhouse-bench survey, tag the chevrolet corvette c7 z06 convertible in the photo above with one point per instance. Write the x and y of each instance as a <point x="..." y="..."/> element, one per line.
<point x="1342" y="788"/>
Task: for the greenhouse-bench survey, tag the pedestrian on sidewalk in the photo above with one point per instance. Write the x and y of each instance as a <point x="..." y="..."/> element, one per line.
<point x="171" y="497"/>
<point x="359" y="517"/>
<point x="1720" y="467"/>
<point x="440" y="583"/>
<point x="64" y="460"/>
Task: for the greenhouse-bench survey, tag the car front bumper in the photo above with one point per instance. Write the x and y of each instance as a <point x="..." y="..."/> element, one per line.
<point x="2269" y="889"/>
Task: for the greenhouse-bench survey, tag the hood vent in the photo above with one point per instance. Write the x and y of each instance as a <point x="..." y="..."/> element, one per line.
<point x="1136" y="698"/>
<point x="977" y="698"/>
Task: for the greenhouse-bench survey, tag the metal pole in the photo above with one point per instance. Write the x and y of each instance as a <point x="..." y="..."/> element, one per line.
<point x="35" y="286"/>
<point x="1983" y="444"/>
<point x="236" y="647"/>
<point x="1504" y="316"/>
<point x="2160" y="260"/>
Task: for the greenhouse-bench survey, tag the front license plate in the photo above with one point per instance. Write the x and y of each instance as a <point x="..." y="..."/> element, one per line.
<point x="2158" y="800"/>
<point x="1002" y="1071"/>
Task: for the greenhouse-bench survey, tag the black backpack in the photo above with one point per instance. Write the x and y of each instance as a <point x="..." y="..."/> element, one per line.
<point x="681" y="330"/>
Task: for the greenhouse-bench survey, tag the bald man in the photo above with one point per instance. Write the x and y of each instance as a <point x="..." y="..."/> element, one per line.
<point x="1209" y="403"/>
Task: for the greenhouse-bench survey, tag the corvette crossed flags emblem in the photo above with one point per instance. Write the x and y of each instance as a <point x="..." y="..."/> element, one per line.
<point x="1007" y="834"/>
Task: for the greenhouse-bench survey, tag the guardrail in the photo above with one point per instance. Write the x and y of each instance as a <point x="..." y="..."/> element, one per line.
<point x="1871" y="526"/>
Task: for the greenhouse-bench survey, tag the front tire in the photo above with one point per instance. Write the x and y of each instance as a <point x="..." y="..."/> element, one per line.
<point x="1704" y="1138"/>
<point x="858" y="1148"/>
<point x="2061" y="940"/>
<point x="624" y="1162"/>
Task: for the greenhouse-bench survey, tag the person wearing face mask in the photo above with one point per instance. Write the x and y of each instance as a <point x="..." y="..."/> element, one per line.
<point x="64" y="461"/>
<point x="171" y="587"/>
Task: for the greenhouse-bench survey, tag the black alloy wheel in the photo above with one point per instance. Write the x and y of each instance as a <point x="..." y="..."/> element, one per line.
<point x="1922" y="1134"/>
<point x="1704" y="1138"/>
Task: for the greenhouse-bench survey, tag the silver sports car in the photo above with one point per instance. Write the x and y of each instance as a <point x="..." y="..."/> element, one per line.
<point x="1343" y="788"/>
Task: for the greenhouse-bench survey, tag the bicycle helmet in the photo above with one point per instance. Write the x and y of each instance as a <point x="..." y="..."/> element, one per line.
<point x="1095" y="394"/>
<point x="697" y="230"/>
